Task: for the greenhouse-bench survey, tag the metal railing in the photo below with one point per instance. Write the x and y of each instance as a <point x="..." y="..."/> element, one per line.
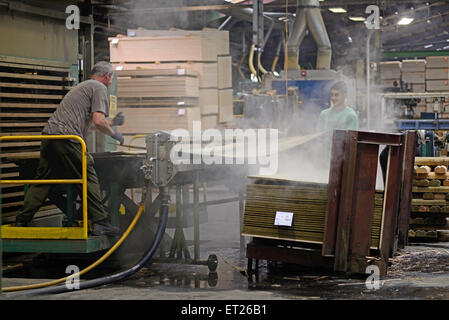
<point x="51" y="232"/>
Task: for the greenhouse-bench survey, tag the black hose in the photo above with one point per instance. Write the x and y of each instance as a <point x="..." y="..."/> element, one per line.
<point x="121" y="275"/>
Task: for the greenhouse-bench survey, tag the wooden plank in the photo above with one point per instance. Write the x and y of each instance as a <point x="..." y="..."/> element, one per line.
<point x="31" y="96"/>
<point x="12" y="194"/>
<point x="363" y="206"/>
<point x="177" y="72"/>
<point x="224" y="72"/>
<point x="34" y="76"/>
<point x="147" y="120"/>
<point x="33" y="86"/>
<point x="22" y="155"/>
<point x="19" y="144"/>
<point x="346" y="203"/>
<point x="24" y="115"/>
<point x="35" y="62"/>
<point x="225" y="105"/>
<point x="391" y="203"/>
<point x="34" y="67"/>
<point x="22" y="124"/>
<point x="28" y="105"/>
<point x="430" y="189"/>
<point x="431" y="161"/>
<point x="207" y="71"/>
<point x="334" y="192"/>
<point x="208" y="101"/>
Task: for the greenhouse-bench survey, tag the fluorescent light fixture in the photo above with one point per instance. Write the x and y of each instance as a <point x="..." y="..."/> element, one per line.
<point x="361" y="19"/>
<point x="405" y="21"/>
<point x="446" y="47"/>
<point x="428" y="46"/>
<point x="337" y="10"/>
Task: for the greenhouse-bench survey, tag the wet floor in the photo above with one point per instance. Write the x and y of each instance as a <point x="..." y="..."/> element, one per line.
<point x="417" y="272"/>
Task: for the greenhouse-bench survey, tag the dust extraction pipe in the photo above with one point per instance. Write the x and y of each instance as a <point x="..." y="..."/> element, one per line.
<point x="308" y="15"/>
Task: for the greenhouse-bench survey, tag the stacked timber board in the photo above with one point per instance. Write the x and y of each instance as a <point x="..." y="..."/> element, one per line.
<point x="157" y="99"/>
<point x="430" y="202"/>
<point x="30" y="91"/>
<point x="307" y="201"/>
<point x="205" y="51"/>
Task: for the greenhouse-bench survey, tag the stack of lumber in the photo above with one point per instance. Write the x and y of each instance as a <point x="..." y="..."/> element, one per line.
<point x="437" y="73"/>
<point x="390" y="74"/>
<point x="307" y="201"/>
<point x="205" y="52"/>
<point x="30" y="91"/>
<point x="154" y="100"/>
<point x="430" y="202"/>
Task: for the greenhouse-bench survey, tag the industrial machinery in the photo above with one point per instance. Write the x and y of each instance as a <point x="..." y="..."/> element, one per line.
<point x="119" y="172"/>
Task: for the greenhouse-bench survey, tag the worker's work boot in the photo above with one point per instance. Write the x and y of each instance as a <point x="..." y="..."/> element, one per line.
<point x="103" y="227"/>
<point x="20" y="222"/>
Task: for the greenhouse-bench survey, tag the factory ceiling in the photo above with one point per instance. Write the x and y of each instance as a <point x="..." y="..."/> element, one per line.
<point x="427" y="30"/>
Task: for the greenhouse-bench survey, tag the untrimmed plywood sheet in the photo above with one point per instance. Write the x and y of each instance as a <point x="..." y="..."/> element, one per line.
<point x="148" y="120"/>
<point x="219" y="37"/>
<point x="225" y="105"/>
<point x="207" y="71"/>
<point x="152" y="49"/>
<point x="224" y="72"/>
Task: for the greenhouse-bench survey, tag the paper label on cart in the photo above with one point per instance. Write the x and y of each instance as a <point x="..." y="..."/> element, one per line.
<point x="181" y="112"/>
<point x="283" y="219"/>
<point x="181" y="71"/>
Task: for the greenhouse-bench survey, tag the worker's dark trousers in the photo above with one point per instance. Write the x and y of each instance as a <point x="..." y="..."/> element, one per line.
<point x="62" y="159"/>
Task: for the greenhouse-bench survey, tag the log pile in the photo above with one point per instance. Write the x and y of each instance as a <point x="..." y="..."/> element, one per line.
<point x="430" y="201"/>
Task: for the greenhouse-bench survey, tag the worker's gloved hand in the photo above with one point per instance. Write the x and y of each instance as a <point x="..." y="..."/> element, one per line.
<point x="119" y="137"/>
<point x="118" y="120"/>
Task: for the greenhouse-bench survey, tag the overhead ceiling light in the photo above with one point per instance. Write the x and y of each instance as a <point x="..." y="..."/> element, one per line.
<point x="428" y="46"/>
<point x="405" y="21"/>
<point x="446" y="47"/>
<point x="357" y="19"/>
<point x="337" y="10"/>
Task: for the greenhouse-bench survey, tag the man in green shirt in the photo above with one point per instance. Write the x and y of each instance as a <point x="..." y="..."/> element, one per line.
<point x="339" y="116"/>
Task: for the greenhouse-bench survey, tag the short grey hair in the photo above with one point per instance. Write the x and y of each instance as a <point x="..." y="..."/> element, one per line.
<point x="101" y="68"/>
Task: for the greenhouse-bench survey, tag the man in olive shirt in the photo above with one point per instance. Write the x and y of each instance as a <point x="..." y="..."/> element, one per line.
<point x="83" y="105"/>
<point x="339" y="116"/>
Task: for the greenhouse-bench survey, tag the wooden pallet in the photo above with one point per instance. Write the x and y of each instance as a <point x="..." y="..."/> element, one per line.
<point x="30" y="91"/>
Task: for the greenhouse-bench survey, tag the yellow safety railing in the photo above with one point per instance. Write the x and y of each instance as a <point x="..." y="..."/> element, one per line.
<point x="11" y="232"/>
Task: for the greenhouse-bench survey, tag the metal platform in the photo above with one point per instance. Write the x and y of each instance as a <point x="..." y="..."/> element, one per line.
<point x="92" y="244"/>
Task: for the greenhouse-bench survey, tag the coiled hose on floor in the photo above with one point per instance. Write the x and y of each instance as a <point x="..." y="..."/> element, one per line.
<point x="121" y="275"/>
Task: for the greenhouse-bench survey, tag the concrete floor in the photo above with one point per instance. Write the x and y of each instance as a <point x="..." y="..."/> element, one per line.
<point x="417" y="272"/>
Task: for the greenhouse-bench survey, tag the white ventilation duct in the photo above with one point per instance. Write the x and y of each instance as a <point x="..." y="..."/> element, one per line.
<point x="308" y="15"/>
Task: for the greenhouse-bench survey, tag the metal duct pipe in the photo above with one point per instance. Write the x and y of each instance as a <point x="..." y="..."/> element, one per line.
<point x="308" y="15"/>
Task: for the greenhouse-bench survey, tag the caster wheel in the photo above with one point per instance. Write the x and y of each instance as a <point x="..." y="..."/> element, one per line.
<point x="212" y="262"/>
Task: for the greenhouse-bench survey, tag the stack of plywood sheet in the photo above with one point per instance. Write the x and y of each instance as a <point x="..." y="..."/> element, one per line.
<point x="157" y="99"/>
<point x="306" y="202"/>
<point x="390" y="74"/>
<point x="413" y="72"/>
<point x="430" y="203"/>
<point x="437" y="73"/>
<point x="204" y="51"/>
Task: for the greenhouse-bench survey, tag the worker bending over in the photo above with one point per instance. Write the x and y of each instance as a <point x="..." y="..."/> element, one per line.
<point x="85" y="103"/>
